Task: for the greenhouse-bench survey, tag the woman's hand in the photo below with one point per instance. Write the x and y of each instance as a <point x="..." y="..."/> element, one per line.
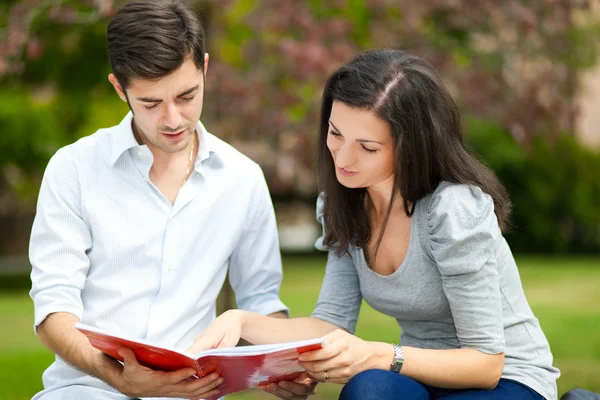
<point x="225" y="331"/>
<point x="345" y="355"/>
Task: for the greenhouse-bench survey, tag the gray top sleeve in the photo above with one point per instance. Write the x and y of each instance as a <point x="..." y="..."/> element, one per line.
<point x="340" y="297"/>
<point x="463" y="230"/>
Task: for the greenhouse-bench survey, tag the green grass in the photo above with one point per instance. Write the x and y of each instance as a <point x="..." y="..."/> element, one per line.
<point x="563" y="293"/>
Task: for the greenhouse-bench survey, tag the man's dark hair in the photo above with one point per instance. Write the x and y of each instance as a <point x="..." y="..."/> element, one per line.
<point x="149" y="39"/>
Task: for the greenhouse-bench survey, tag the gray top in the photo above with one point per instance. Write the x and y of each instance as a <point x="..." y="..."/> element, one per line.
<point x="458" y="287"/>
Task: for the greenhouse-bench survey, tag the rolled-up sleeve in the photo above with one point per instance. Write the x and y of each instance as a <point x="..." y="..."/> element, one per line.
<point x="255" y="270"/>
<point x="59" y="241"/>
<point x="340" y="298"/>
<point x="464" y="233"/>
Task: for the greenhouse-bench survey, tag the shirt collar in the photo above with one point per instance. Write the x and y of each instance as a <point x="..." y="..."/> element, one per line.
<point x="125" y="140"/>
<point x="207" y="145"/>
<point x="208" y="149"/>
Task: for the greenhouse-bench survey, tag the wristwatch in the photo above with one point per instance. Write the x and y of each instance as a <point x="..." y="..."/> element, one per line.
<point x="398" y="359"/>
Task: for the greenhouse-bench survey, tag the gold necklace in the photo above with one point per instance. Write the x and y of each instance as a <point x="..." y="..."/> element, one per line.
<point x="189" y="167"/>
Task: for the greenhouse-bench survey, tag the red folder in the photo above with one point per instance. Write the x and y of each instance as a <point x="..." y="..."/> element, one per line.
<point x="241" y="367"/>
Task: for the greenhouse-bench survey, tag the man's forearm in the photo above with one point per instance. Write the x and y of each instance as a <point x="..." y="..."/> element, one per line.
<point x="57" y="332"/>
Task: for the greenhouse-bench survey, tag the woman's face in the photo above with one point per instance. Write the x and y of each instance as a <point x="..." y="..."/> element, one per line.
<point x="361" y="145"/>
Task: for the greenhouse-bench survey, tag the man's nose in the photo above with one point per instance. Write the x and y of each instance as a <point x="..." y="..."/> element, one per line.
<point x="172" y="118"/>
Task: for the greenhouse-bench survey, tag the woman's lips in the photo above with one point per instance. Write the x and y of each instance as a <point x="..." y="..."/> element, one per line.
<point x="345" y="173"/>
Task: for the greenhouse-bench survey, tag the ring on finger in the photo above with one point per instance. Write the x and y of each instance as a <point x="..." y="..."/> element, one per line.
<point x="325" y="375"/>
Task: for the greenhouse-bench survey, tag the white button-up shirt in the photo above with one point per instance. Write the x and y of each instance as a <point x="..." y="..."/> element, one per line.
<point x="108" y="247"/>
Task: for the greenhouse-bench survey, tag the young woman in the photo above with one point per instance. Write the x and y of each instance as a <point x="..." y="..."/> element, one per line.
<point x="413" y="224"/>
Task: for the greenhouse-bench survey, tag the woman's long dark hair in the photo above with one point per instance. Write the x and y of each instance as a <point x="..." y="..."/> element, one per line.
<point x="405" y="91"/>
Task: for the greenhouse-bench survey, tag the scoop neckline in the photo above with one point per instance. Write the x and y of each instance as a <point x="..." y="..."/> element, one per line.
<point x="404" y="263"/>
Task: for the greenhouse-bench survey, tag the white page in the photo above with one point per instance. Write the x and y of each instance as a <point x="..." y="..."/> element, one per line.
<point x="259" y="349"/>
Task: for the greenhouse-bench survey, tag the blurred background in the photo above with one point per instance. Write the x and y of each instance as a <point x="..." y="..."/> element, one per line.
<point x="524" y="73"/>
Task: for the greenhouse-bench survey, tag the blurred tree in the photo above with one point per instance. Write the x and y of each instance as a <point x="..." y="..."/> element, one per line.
<point x="515" y="62"/>
<point x="554" y="188"/>
<point x="53" y="67"/>
<point x="511" y="61"/>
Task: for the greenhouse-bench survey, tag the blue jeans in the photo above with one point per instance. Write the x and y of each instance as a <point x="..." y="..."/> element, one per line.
<point x="385" y="385"/>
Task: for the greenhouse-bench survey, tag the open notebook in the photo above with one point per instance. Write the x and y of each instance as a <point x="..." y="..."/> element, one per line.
<point x="241" y="367"/>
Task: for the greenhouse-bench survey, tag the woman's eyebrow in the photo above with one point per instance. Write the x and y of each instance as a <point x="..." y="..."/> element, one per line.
<point x="358" y="140"/>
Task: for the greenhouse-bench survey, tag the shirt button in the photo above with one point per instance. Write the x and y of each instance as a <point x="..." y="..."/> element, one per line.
<point x="145" y="179"/>
<point x="170" y="267"/>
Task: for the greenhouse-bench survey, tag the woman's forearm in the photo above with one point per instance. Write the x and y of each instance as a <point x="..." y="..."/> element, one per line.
<point x="260" y="329"/>
<point x="449" y="369"/>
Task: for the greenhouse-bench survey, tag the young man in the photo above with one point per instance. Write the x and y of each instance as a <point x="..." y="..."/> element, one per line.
<point x="137" y="224"/>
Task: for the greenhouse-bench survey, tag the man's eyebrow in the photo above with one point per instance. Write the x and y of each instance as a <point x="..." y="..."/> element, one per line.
<point x="190" y="90"/>
<point x="358" y="140"/>
<point x="182" y="94"/>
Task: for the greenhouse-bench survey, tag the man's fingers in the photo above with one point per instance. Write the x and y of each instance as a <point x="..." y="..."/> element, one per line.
<point x="303" y="378"/>
<point x="196" y="388"/>
<point x="303" y="389"/>
<point x="282" y="393"/>
<point x="175" y="377"/>
<point x="206" y="395"/>
<point x="207" y="390"/>
<point x="127" y="354"/>
<point x="205" y="383"/>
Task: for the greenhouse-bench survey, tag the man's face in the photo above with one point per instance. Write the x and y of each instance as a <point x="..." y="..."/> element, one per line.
<point x="166" y="111"/>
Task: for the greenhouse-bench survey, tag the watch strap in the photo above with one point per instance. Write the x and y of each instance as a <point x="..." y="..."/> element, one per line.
<point x="398" y="359"/>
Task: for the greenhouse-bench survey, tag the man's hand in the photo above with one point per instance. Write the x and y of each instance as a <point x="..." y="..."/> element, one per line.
<point x="139" y="381"/>
<point x="299" y="389"/>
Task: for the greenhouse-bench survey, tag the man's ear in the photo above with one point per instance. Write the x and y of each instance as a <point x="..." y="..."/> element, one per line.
<point x="205" y="64"/>
<point x="118" y="88"/>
